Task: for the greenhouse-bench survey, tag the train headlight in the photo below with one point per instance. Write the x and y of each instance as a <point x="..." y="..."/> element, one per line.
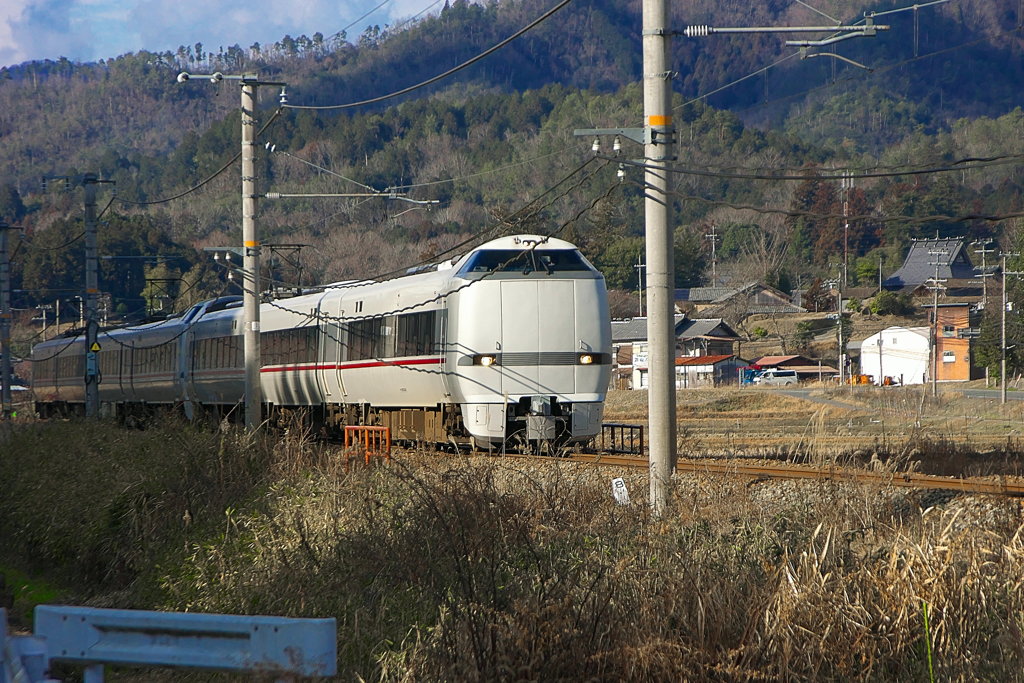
<point x="586" y="359"/>
<point x="485" y="360"/>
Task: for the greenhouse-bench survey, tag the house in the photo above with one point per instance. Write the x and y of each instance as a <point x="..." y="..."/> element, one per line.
<point x="900" y="353"/>
<point x="946" y="259"/>
<point x="953" y="335"/>
<point x="694" y="338"/>
<point x="806" y="369"/>
<point x="706" y="371"/>
<point x="734" y="304"/>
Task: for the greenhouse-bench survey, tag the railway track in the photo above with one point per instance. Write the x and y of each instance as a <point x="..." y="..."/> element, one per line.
<point x="1005" y="486"/>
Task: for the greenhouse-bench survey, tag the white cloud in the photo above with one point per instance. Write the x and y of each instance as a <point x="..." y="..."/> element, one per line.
<point x="89" y="30"/>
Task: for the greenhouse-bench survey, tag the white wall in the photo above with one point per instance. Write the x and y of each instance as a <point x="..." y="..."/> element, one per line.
<point x="904" y="355"/>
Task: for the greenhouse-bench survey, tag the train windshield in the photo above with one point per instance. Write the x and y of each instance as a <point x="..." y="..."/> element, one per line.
<point x="526" y="261"/>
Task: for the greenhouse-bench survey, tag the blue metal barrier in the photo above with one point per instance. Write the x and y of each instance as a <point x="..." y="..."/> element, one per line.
<point x="278" y="646"/>
<point x="22" y="658"/>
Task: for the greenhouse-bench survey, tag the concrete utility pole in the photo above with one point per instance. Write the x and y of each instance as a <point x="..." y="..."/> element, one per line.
<point x="640" y="281"/>
<point x="983" y="273"/>
<point x="935" y="286"/>
<point x="5" y="323"/>
<point x="92" y="347"/>
<point x="250" y="259"/>
<point x="250" y="244"/>
<point x="661" y="339"/>
<point x="89" y="304"/>
<point x="658" y="138"/>
<point x="1002" y="344"/>
<point x="713" y="236"/>
<point x="846" y="187"/>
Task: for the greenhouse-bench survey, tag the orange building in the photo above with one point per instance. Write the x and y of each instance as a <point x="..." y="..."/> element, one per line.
<point x="953" y="334"/>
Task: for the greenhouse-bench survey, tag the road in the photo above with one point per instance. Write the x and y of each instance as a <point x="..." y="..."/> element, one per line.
<point x="993" y="393"/>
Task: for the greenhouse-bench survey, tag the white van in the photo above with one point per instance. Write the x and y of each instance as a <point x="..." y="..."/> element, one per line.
<point x="776" y="377"/>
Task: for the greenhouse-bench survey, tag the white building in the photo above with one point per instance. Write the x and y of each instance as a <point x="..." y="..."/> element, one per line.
<point x="901" y="353"/>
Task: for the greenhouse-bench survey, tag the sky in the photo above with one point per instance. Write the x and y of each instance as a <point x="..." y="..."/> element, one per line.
<point x="90" y="30"/>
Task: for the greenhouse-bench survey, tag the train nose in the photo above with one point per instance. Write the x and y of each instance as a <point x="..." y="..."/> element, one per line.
<point x="538" y="337"/>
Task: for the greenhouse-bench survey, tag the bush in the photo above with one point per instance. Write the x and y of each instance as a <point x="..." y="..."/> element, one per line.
<point x="891" y="303"/>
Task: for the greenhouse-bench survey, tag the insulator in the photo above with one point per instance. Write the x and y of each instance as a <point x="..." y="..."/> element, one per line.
<point x="697" y="31"/>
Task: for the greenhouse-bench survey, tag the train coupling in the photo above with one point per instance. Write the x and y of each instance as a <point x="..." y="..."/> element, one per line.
<point x="540" y="423"/>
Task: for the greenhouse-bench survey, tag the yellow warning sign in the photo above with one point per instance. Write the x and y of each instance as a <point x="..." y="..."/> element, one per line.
<point x="95" y="347"/>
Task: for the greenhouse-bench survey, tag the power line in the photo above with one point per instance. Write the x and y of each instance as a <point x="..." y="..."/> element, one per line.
<point x="966" y="164"/>
<point x="444" y="75"/>
<point x="797" y="213"/>
<point x="362" y="17"/>
<point x="216" y="173"/>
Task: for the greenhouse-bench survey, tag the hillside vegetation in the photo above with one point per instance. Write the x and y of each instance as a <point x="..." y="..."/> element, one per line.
<point x="937" y="147"/>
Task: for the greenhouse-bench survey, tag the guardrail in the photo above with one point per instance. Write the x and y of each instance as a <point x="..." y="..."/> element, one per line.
<point x="282" y="647"/>
<point x="622" y="438"/>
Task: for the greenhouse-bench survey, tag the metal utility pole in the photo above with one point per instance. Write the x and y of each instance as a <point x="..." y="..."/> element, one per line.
<point x="250" y="244"/>
<point x="5" y="323"/>
<point x="661" y="340"/>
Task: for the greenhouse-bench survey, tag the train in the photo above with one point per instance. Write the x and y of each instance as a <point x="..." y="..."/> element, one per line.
<point x="511" y="342"/>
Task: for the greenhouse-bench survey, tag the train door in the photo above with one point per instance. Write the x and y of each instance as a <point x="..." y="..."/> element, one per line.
<point x="184" y="373"/>
<point x="538" y="337"/>
<point x="335" y="340"/>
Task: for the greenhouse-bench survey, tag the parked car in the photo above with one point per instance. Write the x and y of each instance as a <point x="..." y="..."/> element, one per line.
<point x="776" y="377"/>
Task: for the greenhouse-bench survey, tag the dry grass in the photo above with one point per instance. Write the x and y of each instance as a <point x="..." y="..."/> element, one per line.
<point x="456" y="568"/>
<point x="894" y="427"/>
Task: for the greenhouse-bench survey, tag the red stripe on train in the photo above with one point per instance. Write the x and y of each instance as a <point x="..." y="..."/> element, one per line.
<point x="354" y="366"/>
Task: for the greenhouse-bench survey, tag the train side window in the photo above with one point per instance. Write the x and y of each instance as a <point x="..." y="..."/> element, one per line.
<point x="366" y="339"/>
<point x="415" y="334"/>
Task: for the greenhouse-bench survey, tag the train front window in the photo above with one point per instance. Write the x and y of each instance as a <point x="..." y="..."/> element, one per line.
<point x="525" y="261"/>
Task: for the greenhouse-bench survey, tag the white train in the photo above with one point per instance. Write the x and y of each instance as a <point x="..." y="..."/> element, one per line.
<point x="510" y="341"/>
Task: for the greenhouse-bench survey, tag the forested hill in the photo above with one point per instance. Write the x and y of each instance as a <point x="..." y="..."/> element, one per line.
<point x="942" y="84"/>
<point x="935" y="65"/>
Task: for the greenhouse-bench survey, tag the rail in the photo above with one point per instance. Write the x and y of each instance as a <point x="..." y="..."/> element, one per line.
<point x="1003" y="486"/>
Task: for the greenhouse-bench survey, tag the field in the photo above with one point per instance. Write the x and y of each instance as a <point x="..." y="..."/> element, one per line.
<point x="901" y="427"/>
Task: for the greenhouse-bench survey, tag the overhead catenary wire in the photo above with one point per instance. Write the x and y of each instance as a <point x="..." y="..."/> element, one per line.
<point x="345" y="321"/>
<point x="439" y="77"/>
<point x="482" y="235"/>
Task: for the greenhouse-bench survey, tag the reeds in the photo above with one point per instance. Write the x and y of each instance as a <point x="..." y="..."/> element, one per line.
<point x="457" y="568"/>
